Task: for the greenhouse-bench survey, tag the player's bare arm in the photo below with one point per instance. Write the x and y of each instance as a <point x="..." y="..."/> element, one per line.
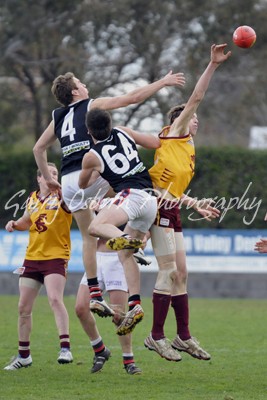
<point x="22" y="224"/>
<point x="90" y="164"/>
<point x="145" y="140"/>
<point x="40" y="153"/>
<point x="141" y="94"/>
<point x="217" y="57"/>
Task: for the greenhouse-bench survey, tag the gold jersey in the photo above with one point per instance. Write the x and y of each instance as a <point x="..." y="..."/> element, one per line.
<point x="174" y="163"/>
<point x="49" y="234"/>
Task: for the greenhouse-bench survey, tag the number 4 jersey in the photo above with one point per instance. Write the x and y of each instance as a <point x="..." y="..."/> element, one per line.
<point x="72" y="133"/>
<point x="120" y="162"/>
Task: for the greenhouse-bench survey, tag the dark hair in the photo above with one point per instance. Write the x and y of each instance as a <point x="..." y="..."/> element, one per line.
<point x="62" y="88"/>
<point x="175" y="112"/>
<point x="50" y="164"/>
<point x="98" y="123"/>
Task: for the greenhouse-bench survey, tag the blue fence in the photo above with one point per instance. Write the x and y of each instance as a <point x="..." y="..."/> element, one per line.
<point x="207" y="250"/>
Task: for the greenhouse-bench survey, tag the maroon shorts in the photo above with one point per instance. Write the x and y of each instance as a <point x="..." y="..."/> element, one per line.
<point x="37" y="270"/>
<point x="168" y="215"/>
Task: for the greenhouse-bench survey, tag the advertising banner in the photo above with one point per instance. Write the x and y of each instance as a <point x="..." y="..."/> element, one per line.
<point x="208" y="250"/>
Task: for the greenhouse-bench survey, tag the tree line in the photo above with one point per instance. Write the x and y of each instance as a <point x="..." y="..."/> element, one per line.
<point x="116" y="45"/>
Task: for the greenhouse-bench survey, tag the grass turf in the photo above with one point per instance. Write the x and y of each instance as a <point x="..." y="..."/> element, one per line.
<point x="233" y="331"/>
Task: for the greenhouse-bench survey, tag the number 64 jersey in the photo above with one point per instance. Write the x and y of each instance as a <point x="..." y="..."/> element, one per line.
<point x="120" y="162"/>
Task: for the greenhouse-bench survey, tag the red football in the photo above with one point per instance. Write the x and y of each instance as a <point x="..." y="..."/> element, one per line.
<point x="244" y="36"/>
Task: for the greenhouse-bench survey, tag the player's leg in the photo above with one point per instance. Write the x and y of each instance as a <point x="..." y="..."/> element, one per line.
<point x="78" y="202"/>
<point x="141" y="210"/>
<point x="118" y="300"/>
<point x="55" y="285"/>
<point x="111" y="274"/>
<point x="104" y="225"/>
<point x="84" y="218"/>
<point x="180" y="303"/>
<point x="132" y="274"/>
<point x="179" y="300"/>
<point x="28" y="289"/>
<point x="163" y="242"/>
<point x="87" y="320"/>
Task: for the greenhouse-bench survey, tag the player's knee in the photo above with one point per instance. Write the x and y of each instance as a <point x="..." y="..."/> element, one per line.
<point x="24" y="310"/>
<point x="55" y="302"/>
<point x="125" y="255"/>
<point x="165" y="279"/>
<point x="92" y="230"/>
<point x="84" y="314"/>
<point x="180" y="278"/>
<point x="81" y="310"/>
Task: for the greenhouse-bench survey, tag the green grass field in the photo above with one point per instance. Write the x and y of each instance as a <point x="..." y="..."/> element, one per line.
<point x="233" y="331"/>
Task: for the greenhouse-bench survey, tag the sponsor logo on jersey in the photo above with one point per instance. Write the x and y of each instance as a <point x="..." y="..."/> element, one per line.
<point x="164" y="221"/>
<point x="74" y="147"/>
<point x="136" y="170"/>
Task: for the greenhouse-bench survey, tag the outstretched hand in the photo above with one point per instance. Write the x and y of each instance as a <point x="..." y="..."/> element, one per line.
<point x="217" y="54"/>
<point x="205" y="208"/>
<point x="261" y="246"/>
<point x="177" y="79"/>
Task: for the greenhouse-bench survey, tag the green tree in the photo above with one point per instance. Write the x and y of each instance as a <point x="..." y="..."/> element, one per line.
<point x="115" y="45"/>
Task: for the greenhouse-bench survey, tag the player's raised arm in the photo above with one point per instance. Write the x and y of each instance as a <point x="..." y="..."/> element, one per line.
<point x="217" y="57"/>
<point x="139" y="95"/>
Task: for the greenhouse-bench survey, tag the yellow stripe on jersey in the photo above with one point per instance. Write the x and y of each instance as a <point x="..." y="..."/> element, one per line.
<point x="174" y="163"/>
<point x="49" y="234"/>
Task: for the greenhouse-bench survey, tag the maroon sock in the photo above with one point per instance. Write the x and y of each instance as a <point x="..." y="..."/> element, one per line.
<point x="24" y="349"/>
<point x="64" y="341"/>
<point x="181" y="310"/>
<point x="161" y="304"/>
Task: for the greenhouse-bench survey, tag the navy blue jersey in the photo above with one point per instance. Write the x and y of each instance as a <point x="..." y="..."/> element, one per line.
<point x="121" y="165"/>
<point x="72" y="133"/>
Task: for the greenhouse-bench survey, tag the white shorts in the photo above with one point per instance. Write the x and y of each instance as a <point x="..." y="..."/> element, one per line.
<point x="110" y="272"/>
<point x="78" y="199"/>
<point x="140" y="207"/>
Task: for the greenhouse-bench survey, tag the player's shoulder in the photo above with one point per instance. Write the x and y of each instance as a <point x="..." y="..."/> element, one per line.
<point x="128" y="132"/>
